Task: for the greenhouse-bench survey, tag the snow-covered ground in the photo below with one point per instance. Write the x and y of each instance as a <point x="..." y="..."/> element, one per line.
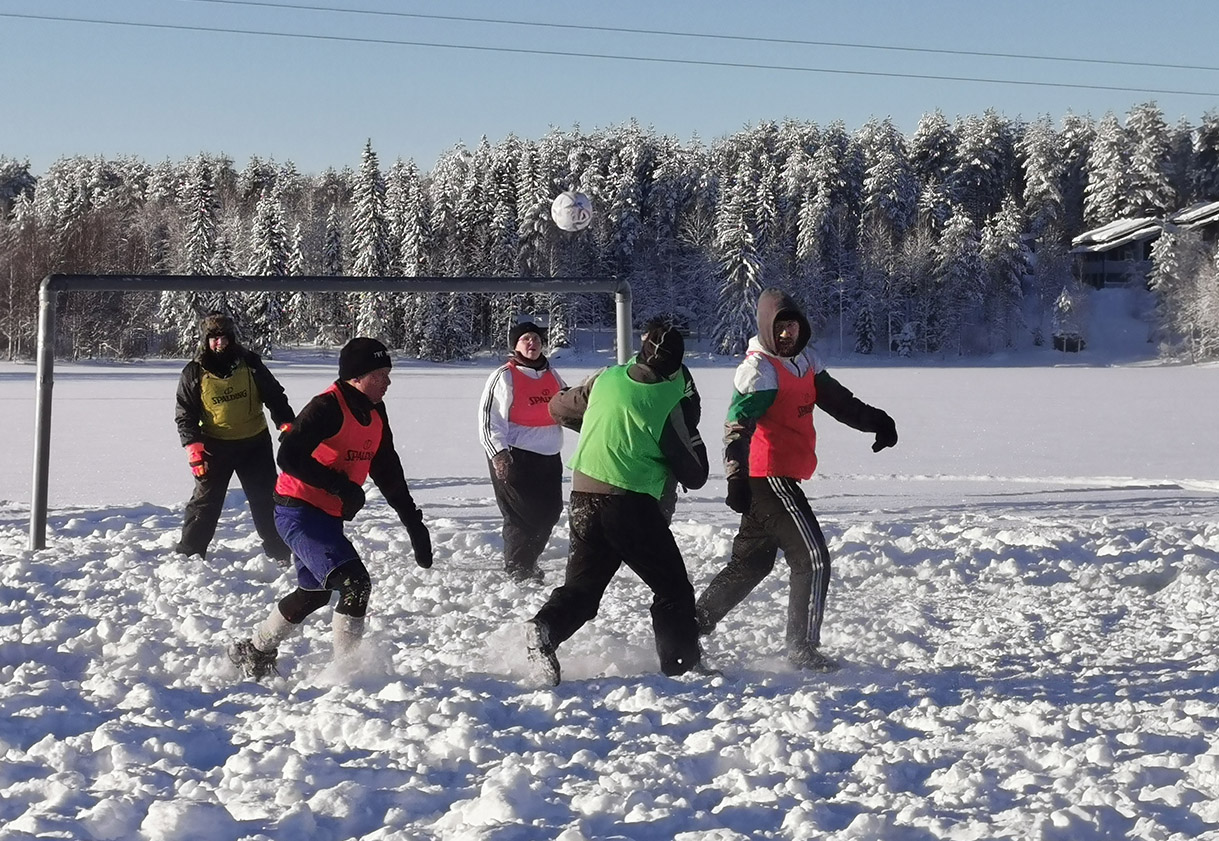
<point x="1026" y="593"/>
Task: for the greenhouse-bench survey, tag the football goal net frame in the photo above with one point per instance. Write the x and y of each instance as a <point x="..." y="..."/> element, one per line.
<point x="51" y="287"/>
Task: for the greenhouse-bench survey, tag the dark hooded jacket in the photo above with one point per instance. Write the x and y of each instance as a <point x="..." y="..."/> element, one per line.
<point x="682" y="446"/>
<point x="189" y="406"/>
<point x="756" y="388"/>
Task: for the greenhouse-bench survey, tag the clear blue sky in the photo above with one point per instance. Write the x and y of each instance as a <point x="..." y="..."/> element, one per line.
<point x="92" y="89"/>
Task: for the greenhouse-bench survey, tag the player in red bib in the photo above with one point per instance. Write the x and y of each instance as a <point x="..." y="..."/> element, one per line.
<point x="340" y="439"/>
<point x="770" y="446"/>
<point x="522" y="443"/>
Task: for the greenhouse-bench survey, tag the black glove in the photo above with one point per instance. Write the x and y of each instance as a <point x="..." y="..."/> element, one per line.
<point x="352" y="497"/>
<point x="885" y="429"/>
<point x="421" y="541"/>
<point x="501" y="463"/>
<point x="739" y="494"/>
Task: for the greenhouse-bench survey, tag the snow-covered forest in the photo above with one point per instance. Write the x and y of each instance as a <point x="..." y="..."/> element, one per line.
<point x="952" y="240"/>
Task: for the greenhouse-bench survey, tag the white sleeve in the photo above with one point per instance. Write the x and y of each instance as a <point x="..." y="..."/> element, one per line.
<point x="752" y="375"/>
<point x="493" y="412"/>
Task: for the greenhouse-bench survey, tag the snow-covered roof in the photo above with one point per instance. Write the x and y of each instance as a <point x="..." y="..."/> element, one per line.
<point x="1115" y="233"/>
<point x="1196" y="215"/>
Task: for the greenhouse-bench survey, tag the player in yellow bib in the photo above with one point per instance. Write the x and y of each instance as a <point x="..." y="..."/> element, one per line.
<point x="221" y="396"/>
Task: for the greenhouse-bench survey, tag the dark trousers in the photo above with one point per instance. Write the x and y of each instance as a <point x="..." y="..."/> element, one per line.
<point x="779" y="518"/>
<point x="607" y="531"/>
<point x="531" y="499"/>
<point x="253" y="462"/>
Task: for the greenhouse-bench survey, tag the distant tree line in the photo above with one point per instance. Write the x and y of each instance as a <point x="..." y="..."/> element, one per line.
<point x="953" y="240"/>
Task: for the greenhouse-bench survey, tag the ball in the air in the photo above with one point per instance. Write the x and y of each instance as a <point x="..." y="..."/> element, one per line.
<point x="571" y="211"/>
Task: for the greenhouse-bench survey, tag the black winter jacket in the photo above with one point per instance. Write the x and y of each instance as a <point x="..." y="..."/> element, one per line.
<point x="189" y="409"/>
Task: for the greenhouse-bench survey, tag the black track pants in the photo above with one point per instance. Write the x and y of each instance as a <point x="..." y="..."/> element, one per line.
<point x="531" y="500"/>
<point x="607" y="531"/>
<point x="779" y="518"/>
<point x="253" y="462"/>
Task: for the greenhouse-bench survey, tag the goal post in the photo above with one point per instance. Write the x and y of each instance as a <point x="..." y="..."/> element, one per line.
<point x="52" y="285"/>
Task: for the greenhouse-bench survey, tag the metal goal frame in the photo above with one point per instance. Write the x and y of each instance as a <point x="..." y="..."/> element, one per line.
<point x="52" y="285"/>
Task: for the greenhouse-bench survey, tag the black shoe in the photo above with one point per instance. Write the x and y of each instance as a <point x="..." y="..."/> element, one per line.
<point x="526" y="575"/>
<point x="810" y="659"/>
<point x="541" y="654"/>
<point x="182" y="549"/>
<point x="252" y="662"/>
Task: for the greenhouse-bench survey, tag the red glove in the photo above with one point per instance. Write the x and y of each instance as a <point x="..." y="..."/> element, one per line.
<point x="198" y="458"/>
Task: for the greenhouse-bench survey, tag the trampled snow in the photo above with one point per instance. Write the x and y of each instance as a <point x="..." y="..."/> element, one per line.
<point x="1025" y="593"/>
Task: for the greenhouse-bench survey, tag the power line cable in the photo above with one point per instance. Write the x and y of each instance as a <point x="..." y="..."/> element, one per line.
<point x="609" y="57"/>
<point x="712" y="35"/>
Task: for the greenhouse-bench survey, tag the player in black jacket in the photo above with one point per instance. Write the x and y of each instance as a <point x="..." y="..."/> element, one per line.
<point x="220" y="420"/>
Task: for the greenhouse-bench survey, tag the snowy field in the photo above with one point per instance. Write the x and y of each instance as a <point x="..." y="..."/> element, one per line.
<point x="1026" y="594"/>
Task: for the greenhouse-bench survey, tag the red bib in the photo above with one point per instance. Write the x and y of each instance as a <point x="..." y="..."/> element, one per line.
<point x="531" y="397"/>
<point x="349" y="451"/>
<point x="784" y="441"/>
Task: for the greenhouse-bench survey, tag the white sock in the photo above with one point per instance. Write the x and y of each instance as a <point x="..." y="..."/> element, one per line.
<point x="348" y="631"/>
<point x="273" y="630"/>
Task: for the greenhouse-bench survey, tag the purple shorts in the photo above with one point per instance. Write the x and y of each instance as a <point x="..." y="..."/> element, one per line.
<point x="317" y="542"/>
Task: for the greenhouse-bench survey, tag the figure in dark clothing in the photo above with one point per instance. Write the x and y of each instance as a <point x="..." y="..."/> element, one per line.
<point x="219" y="414"/>
<point x="638" y="428"/>
<point x="522" y="442"/>
<point x="769" y="447"/>
<point x="341" y="438"/>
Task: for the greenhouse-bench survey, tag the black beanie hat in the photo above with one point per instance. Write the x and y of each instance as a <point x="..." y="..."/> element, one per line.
<point x="217" y="324"/>
<point x="518" y="330"/>
<point x="663" y="347"/>
<point x="361" y="356"/>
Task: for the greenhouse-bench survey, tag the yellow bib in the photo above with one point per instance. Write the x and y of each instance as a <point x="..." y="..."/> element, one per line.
<point x="232" y="408"/>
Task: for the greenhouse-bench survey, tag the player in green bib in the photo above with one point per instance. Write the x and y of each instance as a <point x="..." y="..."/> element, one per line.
<point x="638" y="426"/>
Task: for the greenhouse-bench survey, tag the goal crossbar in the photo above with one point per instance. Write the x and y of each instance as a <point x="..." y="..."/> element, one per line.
<point x="53" y="284"/>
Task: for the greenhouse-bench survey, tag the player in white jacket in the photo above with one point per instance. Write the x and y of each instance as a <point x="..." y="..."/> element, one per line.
<point x="522" y="443"/>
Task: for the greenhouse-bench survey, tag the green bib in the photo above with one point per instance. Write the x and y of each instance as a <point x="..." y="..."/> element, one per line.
<point x="232" y="407"/>
<point x="620" y="435"/>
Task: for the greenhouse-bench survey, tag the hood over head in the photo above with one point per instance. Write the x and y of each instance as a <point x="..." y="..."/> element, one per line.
<point x="771" y="304"/>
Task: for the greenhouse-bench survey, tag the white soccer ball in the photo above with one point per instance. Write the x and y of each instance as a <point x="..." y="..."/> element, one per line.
<point x="571" y="211"/>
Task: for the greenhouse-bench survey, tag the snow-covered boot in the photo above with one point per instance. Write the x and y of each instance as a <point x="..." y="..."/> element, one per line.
<point x="347" y="631"/>
<point x="541" y="654"/>
<point x="253" y="663"/>
<point x="810" y="659"/>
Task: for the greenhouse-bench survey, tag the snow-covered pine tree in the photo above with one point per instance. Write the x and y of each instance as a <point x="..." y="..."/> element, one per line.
<point x="1205" y="171"/>
<point x="1149" y="188"/>
<point x="178" y="312"/>
<point x="958" y="277"/>
<point x="1068" y="319"/>
<point x="1183" y="278"/>
<point x="1181" y="163"/>
<point x="1005" y="263"/>
<point x="370" y="246"/>
<point x="984" y="163"/>
<point x="201" y="211"/>
<point x="1106" y="198"/>
<point x="740" y="284"/>
<point x="1075" y="137"/>
<point x="1041" y="154"/>
<point x="259" y="313"/>
<point x="932" y="151"/>
<point x="889" y="202"/>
